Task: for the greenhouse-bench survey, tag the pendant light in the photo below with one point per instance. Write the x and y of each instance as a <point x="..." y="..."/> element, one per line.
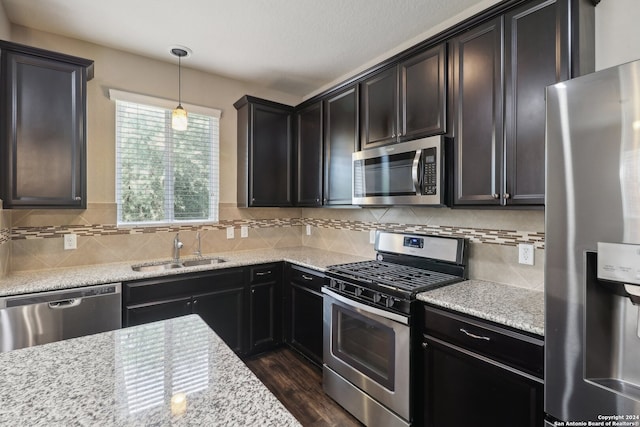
<point x="179" y="116"/>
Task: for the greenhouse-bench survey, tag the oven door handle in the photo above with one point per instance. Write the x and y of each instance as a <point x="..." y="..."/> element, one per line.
<point x="368" y="309"/>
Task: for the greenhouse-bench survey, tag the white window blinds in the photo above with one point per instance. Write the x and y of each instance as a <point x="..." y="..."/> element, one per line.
<point x="162" y="175"/>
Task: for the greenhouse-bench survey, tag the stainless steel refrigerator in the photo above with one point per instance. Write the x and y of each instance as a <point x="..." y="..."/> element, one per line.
<point x="592" y="269"/>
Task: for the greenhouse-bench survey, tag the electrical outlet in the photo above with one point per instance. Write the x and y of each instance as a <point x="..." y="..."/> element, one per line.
<point x="308" y="230"/>
<point x="372" y="236"/>
<point x="244" y="231"/>
<point x="70" y="241"/>
<point x="230" y="233"/>
<point x="525" y="253"/>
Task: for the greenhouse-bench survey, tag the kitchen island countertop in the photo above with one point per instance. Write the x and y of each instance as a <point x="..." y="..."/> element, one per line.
<point x="136" y="376"/>
<point x="505" y="304"/>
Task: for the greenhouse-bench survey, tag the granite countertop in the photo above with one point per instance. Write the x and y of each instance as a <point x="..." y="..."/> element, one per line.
<point x="130" y="377"/>
<point x="508" y="305"/>
<point x="65" y="278"/>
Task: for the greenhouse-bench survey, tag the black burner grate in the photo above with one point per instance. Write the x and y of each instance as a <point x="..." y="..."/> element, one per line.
<point x="394" y="276"/>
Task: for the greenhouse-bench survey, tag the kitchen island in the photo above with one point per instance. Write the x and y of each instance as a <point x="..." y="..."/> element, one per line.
<point x="174" y="372"/>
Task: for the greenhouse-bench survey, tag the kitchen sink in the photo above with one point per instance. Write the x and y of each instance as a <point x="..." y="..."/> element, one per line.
<point x="170" y="265"/>
<point x="202" y="261"/>
<point x="157" y="267"/>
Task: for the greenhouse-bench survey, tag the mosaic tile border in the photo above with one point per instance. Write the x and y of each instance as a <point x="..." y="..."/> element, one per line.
<point x="476" y="235"/>
<point x="5" y="235"/>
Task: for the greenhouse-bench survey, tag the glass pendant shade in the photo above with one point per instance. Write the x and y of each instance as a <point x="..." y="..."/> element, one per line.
<point x="179" y="118"/>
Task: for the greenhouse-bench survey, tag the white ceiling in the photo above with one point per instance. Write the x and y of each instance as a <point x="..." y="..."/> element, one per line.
<point x="296" y="46"/>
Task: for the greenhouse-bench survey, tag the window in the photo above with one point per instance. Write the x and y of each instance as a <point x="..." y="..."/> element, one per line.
<point x="162" y="175"/>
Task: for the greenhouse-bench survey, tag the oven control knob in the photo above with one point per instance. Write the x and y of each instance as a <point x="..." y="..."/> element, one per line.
<point x="377" y="297"/>
<point x="357" y="291"/>
<point x="390" y="302"/>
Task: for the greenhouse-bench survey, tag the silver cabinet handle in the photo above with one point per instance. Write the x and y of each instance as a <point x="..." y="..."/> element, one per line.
<point x="496" y="196"/>
<point x="506" y="195"/>
<point x="425" y="345"/>
<point x="474" y="336"/>
<point x="77" y="198"/>
<point x="263" y="273"/>
<point x="305" y="277"/>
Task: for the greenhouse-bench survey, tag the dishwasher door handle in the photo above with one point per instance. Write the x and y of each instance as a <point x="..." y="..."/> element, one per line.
<point x="59" y="305"/>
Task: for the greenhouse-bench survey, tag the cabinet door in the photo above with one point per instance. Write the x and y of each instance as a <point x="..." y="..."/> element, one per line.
<point x="309" y="156"/>
<point x="478" y="94"/>
<point x="531" y="64"/>
<point x="223" y="311"/>
<point x="157" y="310"/>
<point x="306" y="321"/>
<point x="270" y="156"/>
<point x="379" y="114"/>
<point x="340" y="141"/>
<point x="44" y="132"/>
<point x="461" y="389"/>
<point x="265" y="329"/>
<point x="422" y="94"/>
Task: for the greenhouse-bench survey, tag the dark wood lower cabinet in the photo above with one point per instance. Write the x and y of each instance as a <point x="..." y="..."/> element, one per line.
<point x="223" y="311"/>
<point x="264" y="313"/>
<point x="468" y="385"/>
<point x="158" y="310"/>
<point x="242" y="305"/>
<point x="303" y="312"/>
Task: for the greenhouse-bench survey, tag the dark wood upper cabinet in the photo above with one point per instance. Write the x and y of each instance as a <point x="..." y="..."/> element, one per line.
<point x="477" y="91"/>
<point x="379" y="111"/>
<point x="423" y="101"/>
<point x="501" y="69"/>
<point x="309" y="155"/>
<point x="43" y="127"/>
<point x="340" y="141"/>
<point x="406" y="101"/>
<point x="531" y="64"/>
<point x="327" y="136"/>
<point x="265" y="150"/>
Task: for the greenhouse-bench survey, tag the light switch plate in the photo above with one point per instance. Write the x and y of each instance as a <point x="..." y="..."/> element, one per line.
<point x="308" y="230"/>
<point x="244" y="231"/>
<point x="372" y="236"/>
<point x="70" y="241"/>
<point x="230" y="233"/>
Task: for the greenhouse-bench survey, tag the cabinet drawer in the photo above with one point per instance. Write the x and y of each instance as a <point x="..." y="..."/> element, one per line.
<point x="307" y="279"/>
<point x="265" y="273"/>
<point x="512" y="348"/>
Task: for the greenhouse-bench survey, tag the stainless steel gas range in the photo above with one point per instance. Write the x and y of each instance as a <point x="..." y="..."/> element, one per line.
<point x="369" y="310"/>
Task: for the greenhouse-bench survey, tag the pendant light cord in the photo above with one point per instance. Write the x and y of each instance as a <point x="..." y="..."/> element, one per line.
<point x="180" y="80"/>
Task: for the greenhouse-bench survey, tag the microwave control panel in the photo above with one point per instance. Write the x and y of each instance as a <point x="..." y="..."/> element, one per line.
<point x="430" y="171"/>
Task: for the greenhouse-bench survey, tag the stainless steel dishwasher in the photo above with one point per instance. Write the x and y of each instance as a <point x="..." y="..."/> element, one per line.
<point x="39" y="318"/>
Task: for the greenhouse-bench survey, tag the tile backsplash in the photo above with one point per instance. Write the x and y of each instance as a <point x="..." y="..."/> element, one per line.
<point x="32" y="240"/>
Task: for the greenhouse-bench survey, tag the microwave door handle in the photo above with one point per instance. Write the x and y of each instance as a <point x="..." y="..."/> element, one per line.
<point x="415" y="172"/>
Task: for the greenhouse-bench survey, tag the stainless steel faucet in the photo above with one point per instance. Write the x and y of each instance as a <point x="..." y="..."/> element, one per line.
<point x="198" y="251"/>
<point x="177" y="244"/>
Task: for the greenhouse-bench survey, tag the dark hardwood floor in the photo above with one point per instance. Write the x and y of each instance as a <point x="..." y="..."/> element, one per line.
<point x="297" y="383"/>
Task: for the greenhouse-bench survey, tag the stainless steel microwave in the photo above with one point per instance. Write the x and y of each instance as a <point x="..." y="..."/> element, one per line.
<point x="409" y="173"/>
